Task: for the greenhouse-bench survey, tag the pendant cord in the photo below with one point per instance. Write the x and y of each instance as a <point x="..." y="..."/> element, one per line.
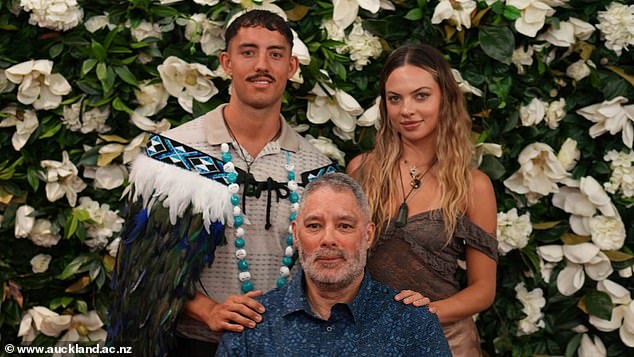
<point x="415" y="185"/>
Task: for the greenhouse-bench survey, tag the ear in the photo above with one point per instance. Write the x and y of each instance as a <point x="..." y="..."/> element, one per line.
<point x="295" y="235"/>
<point x="293" y="66"/>
<point x="225" y="62"/>
<point x="370" y="229"/>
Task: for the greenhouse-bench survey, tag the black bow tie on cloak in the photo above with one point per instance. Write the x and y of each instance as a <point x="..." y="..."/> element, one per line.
<point x="254" y="188"/>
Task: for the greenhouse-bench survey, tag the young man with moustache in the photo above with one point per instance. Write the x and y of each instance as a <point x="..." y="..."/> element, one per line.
<point x="222" y="188"/>
<point x="333" y="307"/>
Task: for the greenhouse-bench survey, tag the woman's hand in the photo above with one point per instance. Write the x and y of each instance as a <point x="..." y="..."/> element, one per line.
<point x="410" y="297"/>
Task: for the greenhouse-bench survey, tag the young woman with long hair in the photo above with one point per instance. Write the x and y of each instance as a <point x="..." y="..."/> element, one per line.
<point x="431" y="207"/>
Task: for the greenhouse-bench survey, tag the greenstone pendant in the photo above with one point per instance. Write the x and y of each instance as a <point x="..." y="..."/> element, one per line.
<point x="401" y="219"/>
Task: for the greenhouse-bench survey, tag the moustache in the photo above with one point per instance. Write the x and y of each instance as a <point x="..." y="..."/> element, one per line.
<point x="329" y="253"/>
<point x="261" y="76"/>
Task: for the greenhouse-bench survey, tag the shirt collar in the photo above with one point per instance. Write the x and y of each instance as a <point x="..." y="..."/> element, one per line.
<point x="295" y="297"/>
<point x="217" y="132"/>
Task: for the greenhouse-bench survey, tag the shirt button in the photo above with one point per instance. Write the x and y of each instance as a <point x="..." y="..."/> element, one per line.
<point x="329" y="328"/>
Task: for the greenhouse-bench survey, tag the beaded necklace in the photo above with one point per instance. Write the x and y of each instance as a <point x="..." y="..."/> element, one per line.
<point x="238" y="220"/>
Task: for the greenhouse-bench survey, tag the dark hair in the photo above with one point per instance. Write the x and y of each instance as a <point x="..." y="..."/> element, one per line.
<point x="259" y="18"/>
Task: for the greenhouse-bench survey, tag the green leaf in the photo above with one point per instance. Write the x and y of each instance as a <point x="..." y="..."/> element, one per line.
<point x="73" y="267"/>
<point x="118" y="104"/>
<point x="32" y="178"/>
<point x="81" y="306"/>
<point x="51" y="131"/>
<point x="124" y="73"/>
<point x="98" y="51"/>
<point x="164" y="11"/>
<point x="87" y="66"/>
<point x="102" y="71"/>
<point x="599" y="304"/>
<point x="492" y="167"/>
<point x="497" y="42"/>
<point x="414" y="14"/>
<point x="81" y="214"/>
<point x="501" y="87"/>
<point x="617" y="256"/>
<point x="572" y="346"/>
<point x="511" y="13"/>
<point x="545" y="225"/>
<point x="56" y="50"/>
<point x="60" y="301"/>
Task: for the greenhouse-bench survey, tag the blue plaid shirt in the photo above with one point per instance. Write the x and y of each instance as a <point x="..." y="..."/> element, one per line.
<point x="373" y="324"/>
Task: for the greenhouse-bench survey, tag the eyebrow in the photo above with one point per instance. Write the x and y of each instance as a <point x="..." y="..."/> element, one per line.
<point x="273" y="47"/>
<point x="414" y="91"/>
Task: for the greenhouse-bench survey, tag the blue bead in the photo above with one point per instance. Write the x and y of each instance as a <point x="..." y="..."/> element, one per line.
<point x="232" y="177"/>
<point x="247" y="286"/>
<point x="287" y="261"/>
<point x="237" y="221"/>
<point x="281" y="282"/>
<point x="292" y="216"/>
<point x="235" y="199"/>
<point x="239" y="243"/>
<point x="243" y="265"/>
<point x="293" y="197"/>
<point x="291" y="175"/>
<point x="289" y="239"/>
<point x="226" y="157"/>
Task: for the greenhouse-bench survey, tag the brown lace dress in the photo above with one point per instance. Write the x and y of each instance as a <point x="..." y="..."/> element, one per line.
<point x="415" y="257"/>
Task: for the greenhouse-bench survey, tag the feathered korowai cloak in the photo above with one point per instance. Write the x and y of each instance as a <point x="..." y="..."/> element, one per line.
<point x="178" y="205"/>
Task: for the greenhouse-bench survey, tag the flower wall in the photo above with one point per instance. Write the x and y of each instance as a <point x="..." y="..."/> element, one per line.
<point x="550" y="88"/>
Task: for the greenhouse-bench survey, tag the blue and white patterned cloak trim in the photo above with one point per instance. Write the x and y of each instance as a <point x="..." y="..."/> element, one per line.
<point x="178" y="189"/>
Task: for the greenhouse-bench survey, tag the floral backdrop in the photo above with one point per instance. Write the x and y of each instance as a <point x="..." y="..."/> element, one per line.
<point x="549" y="85"/>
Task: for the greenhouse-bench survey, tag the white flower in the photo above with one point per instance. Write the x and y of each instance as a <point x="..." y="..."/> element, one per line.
<point x="187" y="81"/>
<point x="562" y="36"/>
<point x="611" y="116"/>
<point x="521" y="58"/>
<point x="208" y="33"/>
<point x="578" y="70"/>
<point x="40" y="319"/>
<point x="335" y="105"/>
<point x="345" y="11"/>
<point x="328" y="148"/>
<point x="622" y="177"/>
<point x="207" y="2"/>
<point x="588" y="348"/>
<point x="569" y="154"/>
<point x="555" y="112"/>
<point x="361" y="45"/>
<point x="113" y="247"/>
<point x="457" y="12"/>
<point x="533" y="15"/>
<point x="25" y="123"/>
<point x="334" y="32"/>
<point x="44" y="233"/>
<point x="538" y="174"/>
<point x="39" y="263"/>
<point x="95" y="120"/>
<point x="85" y="327"/>
<point x="71" y="117"/>
<point x="626" y="332"/>
<point x="570" y="279"/>
<point x="98" y="22"/>
<point x="613" y="323"/>
<point x="62" y="179"/>
<point x="104" y="221"/>
<point x="111" y="151"/>
<point x="617" y="292"/>
<point x="144" y="30"/>
<point x="24" y="221"/>
<point x="303" y="56"/>
<point x="151" y="97"/>
<point x="60" y="15"/>
<point x="372" y="115"/>
<point x="465" y="86"/>
<point x="532" y="301"/>
<point x="608" y="233"/>
<point x="513" y="231"/>
<point x="533" y="113"/>
<point x="110" y="176"/>
<point x="146" y="124"/>
<point x="583" y="30"/>
<point x="617" y="26"/>
<point x="5" y="84"/>
<point x="481" y="149"/>
<point x="37" y="85"/>
<point x="626" y="272"/>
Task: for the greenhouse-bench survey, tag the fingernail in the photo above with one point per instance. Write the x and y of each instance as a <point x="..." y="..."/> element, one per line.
<point x="258" y="318"/>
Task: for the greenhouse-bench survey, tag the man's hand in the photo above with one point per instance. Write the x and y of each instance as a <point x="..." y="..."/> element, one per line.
<point x="412" y="297"/>
<point x="235" y="313"/>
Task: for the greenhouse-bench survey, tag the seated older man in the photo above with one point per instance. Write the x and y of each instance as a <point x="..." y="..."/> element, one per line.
<point x="333" y="307"/>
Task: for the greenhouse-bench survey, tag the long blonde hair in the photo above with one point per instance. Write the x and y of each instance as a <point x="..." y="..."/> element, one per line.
<point x="379" y="172"/>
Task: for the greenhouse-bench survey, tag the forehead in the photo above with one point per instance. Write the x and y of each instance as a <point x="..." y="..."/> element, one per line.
<point x="410" y="76"/>
<point x="260" y="37"/>
<point x="326" y="202"/>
